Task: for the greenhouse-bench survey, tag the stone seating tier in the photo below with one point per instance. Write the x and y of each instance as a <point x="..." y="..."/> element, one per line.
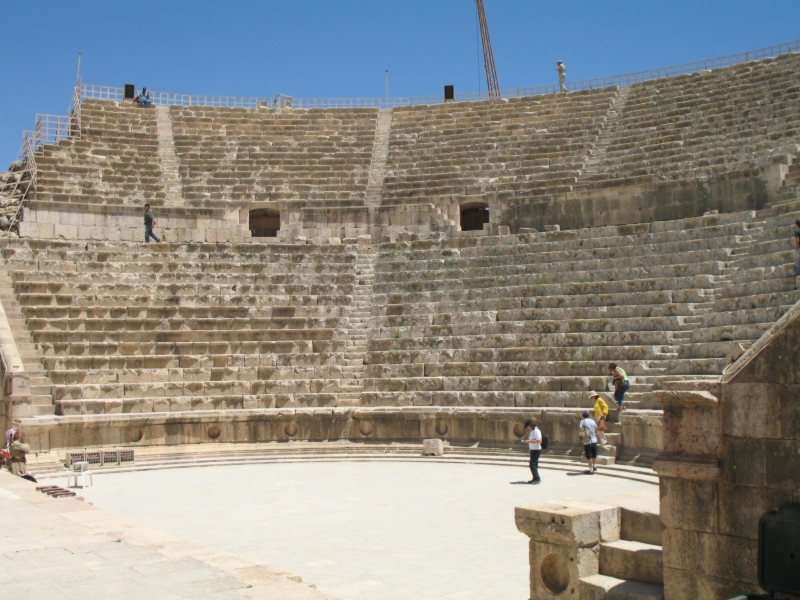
<point x="704" y="124"/>
<point x="263" y="155"/>
<point x="525" y="146"/>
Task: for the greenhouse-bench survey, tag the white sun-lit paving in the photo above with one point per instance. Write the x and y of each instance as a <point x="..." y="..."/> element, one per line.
<point x="358" y="530"/>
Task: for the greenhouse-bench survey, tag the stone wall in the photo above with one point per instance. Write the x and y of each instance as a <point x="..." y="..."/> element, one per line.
<point x="626" y="205"/>
<point x="115" y="224"/>
<point x="731" y="454"/>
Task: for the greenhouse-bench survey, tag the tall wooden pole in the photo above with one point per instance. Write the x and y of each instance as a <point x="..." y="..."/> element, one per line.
<point x="488" y="56"/>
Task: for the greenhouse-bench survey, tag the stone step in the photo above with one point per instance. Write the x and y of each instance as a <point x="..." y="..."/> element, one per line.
<point x="604" y="587"/>
<point x="631" y="560"/>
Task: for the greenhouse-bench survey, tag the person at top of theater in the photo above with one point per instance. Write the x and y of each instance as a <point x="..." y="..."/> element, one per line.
<point x="144" y="98"/>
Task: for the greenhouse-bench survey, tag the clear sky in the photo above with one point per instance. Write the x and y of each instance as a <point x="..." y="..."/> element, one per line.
<point x="327" y="48"/>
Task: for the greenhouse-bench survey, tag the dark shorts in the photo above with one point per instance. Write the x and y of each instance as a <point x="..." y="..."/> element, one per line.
<point x="591" y="450"/>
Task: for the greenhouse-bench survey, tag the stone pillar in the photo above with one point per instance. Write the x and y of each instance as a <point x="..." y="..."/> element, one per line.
<point x="564" y="545"/>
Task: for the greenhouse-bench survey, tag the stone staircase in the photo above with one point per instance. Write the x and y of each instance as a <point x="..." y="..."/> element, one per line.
<point x="595" y="159"/>
<point x="168" y="158"/>
<point x="358" y="325"/>
<point x="40" y="386"/>
<point x="631" y="568"/>
<point x="380" y="152"/>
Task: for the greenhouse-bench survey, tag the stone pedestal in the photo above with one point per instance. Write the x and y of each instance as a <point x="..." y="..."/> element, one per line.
<point x="564" y="545"/>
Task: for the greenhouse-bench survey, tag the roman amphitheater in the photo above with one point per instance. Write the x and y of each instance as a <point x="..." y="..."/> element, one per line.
<point x="340" y="280"/>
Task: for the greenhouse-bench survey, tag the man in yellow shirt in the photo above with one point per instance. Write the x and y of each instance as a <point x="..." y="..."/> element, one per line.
<point x="600" y="414"/>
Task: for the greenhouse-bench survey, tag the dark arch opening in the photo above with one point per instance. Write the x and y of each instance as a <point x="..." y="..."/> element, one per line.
<point x="473" y="216"/>
<point x="264" y="222"/>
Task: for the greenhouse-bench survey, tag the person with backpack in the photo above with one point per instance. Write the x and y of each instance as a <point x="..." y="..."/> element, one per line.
<point x="536" y="441"/>
<point x="587" y="430"/>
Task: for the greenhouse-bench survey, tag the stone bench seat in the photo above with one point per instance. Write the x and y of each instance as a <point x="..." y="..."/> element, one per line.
<point x="730" y="333"/>
<point x="146" y="406"/>
<point x="285" y="358"/>
<point x="519" y="399"/>
<point x="631" y="354"/>
<point x="177" y="389"/>
<point x="755" y="301"/>
<point x="630" y="324"/>
<point x="489" y="383"/>
<point x="753" y="288"/>
<point x="502" y="264"/>
<point x="130" y="324"/>
<point x="489" y="339"/>
<point x="225" y="300"/>
<point x="71" y="282"/>
<point x="519" y="274"/>
<point x="641" y="371"/>
<point x="129" y="375"/>
<point x="158" y="351"/>
<point x="145" y="286"/>
<point x="692" y="287"/>
<point x="746" y="316"/>
<point x="195" y="335"/>
<point x="99" y="271"/>
<point x="184" y="312"/>
<point x="491" y="298"/>
<point x="783" y="269"/>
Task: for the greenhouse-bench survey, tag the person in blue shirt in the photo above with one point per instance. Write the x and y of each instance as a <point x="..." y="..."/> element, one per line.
<point x="144" y="98"/>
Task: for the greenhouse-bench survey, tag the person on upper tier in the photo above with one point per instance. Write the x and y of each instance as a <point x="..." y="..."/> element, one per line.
<point x="534" y="441"/>
<point x="797" y="247"/>
<point x="589" y="428"/>
<point x="144" y="98"/>
<point x="562" y="76"/>
<point x="149" y="223"/>
<point x="600" y="415"/>
<point x="621" y="383"/>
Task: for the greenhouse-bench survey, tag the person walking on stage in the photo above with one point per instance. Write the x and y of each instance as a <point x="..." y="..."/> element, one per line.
<point x="534" y="441"/>
<point x="587" y="429"/>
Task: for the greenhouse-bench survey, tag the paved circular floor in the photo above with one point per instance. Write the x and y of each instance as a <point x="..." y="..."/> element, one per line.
<point x="359" y="530"/>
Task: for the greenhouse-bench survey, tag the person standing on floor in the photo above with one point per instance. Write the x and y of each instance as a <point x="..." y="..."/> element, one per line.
<point x="149" y="223"/>
<point x="797" y="247"/>
<point x="587" y="428"/>
<point x="534" y="441"/>
<point x="600" y="415"/>
<point x="562" y="76"/>
<point x="17" y="464"/>
<point x="621" y="383"/>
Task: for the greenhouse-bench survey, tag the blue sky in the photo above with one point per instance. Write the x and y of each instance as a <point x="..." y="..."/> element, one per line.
<point x="341" y="48"/>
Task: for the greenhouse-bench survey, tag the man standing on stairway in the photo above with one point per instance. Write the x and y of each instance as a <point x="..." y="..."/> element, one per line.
<point x="149" y="223"/>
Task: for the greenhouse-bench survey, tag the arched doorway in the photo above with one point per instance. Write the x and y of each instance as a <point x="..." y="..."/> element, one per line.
<point x="473" y="216"/>
<point x="264" y="222"/>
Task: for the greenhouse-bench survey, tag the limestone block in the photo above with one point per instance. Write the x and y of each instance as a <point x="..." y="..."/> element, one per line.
<point x="569" y="522"/>
<point x="550" y="228"/>
<point x="349" y="241"/>
<point x="503" y="230"/>
<point x="433" y="447"/>
<point x="365" y="239"/>
<point x="300" y="239"/>
<point x="85" y="232"/>
<point x="334" y="241"/>
<point x="67" y="232"/>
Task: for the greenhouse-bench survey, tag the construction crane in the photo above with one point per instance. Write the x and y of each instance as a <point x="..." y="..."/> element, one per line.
<point x="488" y="57"/>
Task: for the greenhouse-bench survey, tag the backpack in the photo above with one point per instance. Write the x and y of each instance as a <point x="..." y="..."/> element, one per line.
<point x="584" y="434"/>
<point x="545" y="442"/>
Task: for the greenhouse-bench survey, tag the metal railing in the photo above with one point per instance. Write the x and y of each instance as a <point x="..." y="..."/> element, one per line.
<point x="97" y="92"/>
